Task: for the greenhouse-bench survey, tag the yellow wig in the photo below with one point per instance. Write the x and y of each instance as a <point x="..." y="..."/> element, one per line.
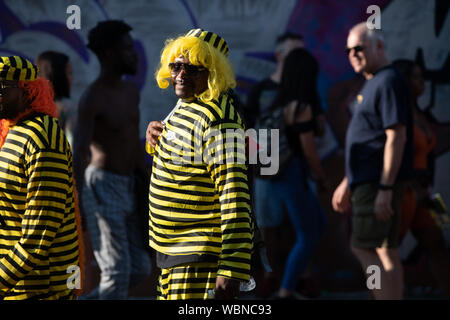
<point x="221" y="76"/>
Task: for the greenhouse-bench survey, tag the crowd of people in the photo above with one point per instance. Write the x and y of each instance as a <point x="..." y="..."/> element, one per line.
<point x="199" y="209"/>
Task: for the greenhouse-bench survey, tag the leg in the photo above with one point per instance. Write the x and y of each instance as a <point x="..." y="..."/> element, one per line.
<point x="375" y="242"/>
<point x="305" y="215"/>
<point x="367" y="258"/>
<point x="393" y="272"/>
<point x="268" y="212"/>
<point x="112" y="255"/>
<point x="299" y="256"/>
<point x="106" y="220"/>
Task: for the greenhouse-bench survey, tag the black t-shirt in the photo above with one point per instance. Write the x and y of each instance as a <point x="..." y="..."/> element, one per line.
<point x="382" y="103"/>
<point x="262" y="96"/>
<point x="260" y="99"/>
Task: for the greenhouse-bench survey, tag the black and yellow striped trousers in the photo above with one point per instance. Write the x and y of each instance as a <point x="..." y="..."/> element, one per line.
<point x="191" y="281"/>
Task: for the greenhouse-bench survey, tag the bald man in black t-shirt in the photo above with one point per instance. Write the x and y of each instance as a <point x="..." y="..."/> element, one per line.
<point x="378" y="161"/>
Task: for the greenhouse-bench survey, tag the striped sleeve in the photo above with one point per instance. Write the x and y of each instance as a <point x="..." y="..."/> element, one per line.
<point x="224" y="155"/>
<point x="47" y="187"/>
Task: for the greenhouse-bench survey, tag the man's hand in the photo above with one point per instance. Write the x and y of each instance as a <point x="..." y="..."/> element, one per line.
<point x="226" y="289"/>
<point x="341" y="197"/>
<point x="153" y="132"/>
<point x="383" y="205"/>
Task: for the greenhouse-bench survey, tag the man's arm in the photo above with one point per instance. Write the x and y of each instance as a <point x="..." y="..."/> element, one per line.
<point x="154" y="130"/>
<point x="341" y="197"/>
<point x="310" y="150"/>
<point x="393" y="155"/>
<point x="47" y="191"/>
<point x="229" y="174"/>
<point x="84" y="132"/>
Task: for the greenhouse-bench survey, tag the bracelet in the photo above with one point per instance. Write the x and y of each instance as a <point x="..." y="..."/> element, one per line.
<point x="385" y="187"/>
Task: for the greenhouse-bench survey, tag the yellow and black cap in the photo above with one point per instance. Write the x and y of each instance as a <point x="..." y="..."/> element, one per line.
<point x="17" y="68"/>
<point x="210" y="37"/>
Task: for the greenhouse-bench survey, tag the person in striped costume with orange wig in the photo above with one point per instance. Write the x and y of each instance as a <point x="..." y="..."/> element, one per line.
<point x="200" y="215"/>
<point x="39" y="248"/>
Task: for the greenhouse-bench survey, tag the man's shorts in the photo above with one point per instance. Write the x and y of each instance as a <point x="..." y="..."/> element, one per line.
<point x="367" y="230"/>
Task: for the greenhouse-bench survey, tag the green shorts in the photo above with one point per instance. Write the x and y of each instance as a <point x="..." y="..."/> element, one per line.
<point x="367" y="230"/>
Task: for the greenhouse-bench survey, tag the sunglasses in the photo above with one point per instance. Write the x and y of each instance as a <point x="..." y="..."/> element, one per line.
<point x="4" y="86"/>
<point x="356" y="48"/>
<point x="190" y="69"/>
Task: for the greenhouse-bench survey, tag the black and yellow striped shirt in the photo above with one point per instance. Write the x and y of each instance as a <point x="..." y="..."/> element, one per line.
<point x="38" y="235"/>
<point x="199" y="193"/>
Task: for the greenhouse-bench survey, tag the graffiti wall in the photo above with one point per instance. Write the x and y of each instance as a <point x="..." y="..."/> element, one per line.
<point x="414" y="29"/>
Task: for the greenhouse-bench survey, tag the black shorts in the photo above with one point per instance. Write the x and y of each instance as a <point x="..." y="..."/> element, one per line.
<point x="367" y="230"/>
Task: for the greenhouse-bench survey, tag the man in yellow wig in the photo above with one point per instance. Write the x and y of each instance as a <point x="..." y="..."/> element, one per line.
<point x="38" y="225"/>
<point x="200" y="222"/>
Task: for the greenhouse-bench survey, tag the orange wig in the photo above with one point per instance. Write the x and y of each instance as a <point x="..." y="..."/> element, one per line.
<point x="40" y="96"/>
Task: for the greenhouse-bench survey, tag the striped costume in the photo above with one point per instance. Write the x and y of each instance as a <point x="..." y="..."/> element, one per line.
<point x="38" y="233"/>
<point x="200" y="221"/>
<point x="17" y="68"/>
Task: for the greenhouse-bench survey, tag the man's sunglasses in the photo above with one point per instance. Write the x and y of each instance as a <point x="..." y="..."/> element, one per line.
<point x="356" y="48"/>
<point x="4" y="86"/>
<point x="190" y="69"/>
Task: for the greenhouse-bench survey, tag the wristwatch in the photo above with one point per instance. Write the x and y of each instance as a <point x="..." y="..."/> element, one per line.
<point x="382" y="186"/>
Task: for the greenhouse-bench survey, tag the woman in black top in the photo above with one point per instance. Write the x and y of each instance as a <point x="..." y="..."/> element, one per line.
<point x="298" y="97"/>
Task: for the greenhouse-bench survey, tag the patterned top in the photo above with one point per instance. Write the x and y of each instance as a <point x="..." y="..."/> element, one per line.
<point x="38" y="235"/>
<point x="199" y="194"/>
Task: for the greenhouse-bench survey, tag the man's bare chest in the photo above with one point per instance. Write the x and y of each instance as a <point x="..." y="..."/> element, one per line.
<point x="118" y="112"/>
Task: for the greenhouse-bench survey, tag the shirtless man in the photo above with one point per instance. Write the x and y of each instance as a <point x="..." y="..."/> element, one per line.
<point x="108" y="127"/>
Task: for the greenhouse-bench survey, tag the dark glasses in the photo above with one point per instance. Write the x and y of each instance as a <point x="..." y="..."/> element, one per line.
<point x="356" y="48"/>
<point x="175" y="67"/>
<point x="4" y="86"/>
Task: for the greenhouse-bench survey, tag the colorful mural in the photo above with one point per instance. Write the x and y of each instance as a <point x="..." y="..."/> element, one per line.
<point x="414" y="29"/>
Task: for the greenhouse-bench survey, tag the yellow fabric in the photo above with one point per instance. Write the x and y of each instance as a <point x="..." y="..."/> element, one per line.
<point x="38" y="232"/>
<point x="61" y="295"/>
<point x="210" y="37"/>
<point x="199" y="198"/>
<point x="149" y="149"/>
<point x="187" y="282"/>
<point x="17" y="68"/>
